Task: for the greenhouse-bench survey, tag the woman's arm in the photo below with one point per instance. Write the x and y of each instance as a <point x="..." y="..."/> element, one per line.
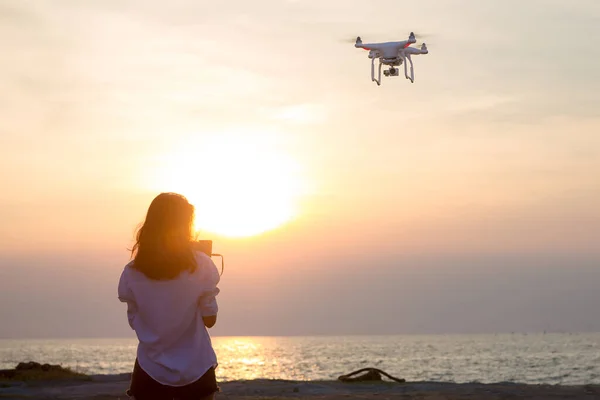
<point x="209" y="307"/>
<point x="126" y="296"/>
<point x="208" y="299"/>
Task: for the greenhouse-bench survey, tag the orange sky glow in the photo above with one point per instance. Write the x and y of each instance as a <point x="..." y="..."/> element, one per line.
<point x="265" y="117"/>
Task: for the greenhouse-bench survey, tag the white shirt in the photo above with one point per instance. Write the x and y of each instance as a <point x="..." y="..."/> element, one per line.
<point x="174" y="345"/>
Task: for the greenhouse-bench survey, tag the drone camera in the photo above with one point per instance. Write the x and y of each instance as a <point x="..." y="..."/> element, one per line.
<point x="391" y="72"/>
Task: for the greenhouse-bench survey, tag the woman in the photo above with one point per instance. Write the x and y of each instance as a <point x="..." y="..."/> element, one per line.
<point x="170" y="291"/>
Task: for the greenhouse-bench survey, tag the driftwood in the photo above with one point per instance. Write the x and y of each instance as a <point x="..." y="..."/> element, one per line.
<point x="368" y="375"/>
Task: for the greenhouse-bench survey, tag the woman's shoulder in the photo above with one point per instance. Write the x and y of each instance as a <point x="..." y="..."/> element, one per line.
<point x="201" y="257"/>
<point x="127" y="269"/>
<point x="206" y="268"/>
<point x="130" y="273"/>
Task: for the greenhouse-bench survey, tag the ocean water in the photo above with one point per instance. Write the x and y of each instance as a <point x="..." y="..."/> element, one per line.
<point x="570" y="359"/>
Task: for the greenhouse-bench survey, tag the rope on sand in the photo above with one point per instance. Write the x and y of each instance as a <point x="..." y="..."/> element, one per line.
<point x="369" y="374"/>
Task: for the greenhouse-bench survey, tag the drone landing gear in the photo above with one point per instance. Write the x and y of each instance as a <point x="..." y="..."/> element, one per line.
<point x="393" y="71"/>
<point x="412" y="71"/>
<point x="378" y="80"/>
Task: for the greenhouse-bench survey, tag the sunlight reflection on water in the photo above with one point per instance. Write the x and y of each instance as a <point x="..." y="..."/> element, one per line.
<point x="548" y="359"/>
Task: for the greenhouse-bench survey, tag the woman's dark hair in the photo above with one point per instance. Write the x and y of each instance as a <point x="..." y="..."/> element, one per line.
<point x="163" y="243"/>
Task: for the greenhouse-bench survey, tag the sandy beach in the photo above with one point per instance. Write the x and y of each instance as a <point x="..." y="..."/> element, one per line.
<point x="113" y="387"/>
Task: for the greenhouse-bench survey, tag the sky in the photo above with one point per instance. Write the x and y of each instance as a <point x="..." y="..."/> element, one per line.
<point x="466" y="202"/>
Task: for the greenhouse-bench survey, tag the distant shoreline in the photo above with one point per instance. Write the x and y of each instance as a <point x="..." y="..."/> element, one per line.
<point x="316" y="335"/>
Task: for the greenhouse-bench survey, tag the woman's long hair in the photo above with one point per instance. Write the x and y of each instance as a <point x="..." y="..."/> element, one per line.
<point x="163" y="243"/>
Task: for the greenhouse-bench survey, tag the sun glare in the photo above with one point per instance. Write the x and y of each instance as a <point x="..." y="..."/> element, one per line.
<point x="240" y="185"/>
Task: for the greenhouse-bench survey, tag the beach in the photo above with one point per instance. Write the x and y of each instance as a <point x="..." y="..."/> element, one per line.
<point x="113" y="387"/>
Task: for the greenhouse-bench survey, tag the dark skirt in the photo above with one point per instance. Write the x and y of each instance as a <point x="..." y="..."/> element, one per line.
<point x="143" y="387"/>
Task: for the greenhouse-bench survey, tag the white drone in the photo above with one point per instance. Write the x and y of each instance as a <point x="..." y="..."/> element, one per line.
<point x="392" y="54"/>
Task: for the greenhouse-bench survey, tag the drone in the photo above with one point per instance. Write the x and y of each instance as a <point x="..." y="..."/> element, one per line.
<point x="392" y="54"/>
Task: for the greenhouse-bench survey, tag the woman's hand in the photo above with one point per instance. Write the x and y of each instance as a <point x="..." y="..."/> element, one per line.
<point x="209" y="321"/>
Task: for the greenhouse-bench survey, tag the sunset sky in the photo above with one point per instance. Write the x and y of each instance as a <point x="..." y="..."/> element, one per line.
<point x="465" y="202"/>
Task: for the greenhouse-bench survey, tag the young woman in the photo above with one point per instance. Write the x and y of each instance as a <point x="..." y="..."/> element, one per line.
<point x="170" y="291"/>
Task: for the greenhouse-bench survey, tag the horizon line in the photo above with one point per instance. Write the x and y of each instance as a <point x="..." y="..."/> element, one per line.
<point x="547" y="332"/>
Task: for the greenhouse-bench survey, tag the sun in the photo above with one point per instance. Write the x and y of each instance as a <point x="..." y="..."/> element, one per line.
<point x="241" y="185"/>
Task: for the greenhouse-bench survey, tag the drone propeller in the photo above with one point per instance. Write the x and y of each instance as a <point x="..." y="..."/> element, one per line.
<point x="422" y="35"/>
<point x="419" y="43"/>
<point x="353" y="40"/>
<point x="418" y="37"/>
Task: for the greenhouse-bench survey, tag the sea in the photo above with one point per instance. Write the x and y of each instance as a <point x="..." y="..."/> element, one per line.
<point x="567" y="359"/>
